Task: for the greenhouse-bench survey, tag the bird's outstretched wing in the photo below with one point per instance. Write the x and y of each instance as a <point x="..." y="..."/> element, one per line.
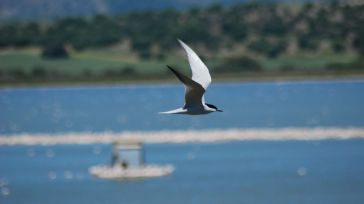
<point x="200" y="73"/>
<point x="194" y="91"/>
<point x="175" y="111"/>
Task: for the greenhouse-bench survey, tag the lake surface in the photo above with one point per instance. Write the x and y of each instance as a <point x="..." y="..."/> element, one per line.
<point x="281" y="172"/>
<point x="257" y="172"/>
<point x="120" y="108"/>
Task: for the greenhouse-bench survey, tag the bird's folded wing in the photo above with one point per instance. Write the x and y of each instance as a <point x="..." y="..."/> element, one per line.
<point x="194" y="91"/>
<point x="200" y="73"/>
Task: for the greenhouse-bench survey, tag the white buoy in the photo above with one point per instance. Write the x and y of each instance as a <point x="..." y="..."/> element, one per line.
<point x="52" y="175"/>
<point x="68" y="175"/>
<point x="5" y="191"/>
<point x="301" y="171"/>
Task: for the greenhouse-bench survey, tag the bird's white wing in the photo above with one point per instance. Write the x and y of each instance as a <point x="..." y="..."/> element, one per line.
<point x="194" y="91"/>
<point x="200" y="73"/>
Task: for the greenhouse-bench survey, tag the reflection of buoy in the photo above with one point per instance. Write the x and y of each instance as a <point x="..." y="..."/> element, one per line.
<point x="5" y="191"/>
<point x="50" y="153"/>
<point x="68" y="175"/>
<point x="301" y="171"/>
<point x="52" y="175"/>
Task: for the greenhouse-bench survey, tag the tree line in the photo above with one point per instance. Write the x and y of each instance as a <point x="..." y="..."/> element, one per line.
<point x="261" y="29"/>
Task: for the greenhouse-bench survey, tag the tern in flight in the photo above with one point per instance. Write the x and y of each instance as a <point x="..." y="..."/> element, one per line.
<point x="195" y="87"/>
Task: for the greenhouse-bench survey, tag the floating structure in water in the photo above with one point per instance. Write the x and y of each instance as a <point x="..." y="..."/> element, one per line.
<point x="127" y="162"/>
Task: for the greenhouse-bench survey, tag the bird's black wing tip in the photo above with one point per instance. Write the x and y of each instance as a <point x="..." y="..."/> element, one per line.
<point x="170" y="68"/>
<point x="178" y="75"/>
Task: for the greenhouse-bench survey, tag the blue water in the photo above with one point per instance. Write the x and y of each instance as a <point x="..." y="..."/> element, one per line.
<point x="239" y="172"/>
<point x="235" y="172"/>
<point x="120" y="108"/>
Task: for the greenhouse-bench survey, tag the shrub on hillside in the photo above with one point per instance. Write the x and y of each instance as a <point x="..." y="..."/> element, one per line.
<point x="54" y="51"/>
<point x="38" y="72"/>
<point x="239" y="64"/>
<point x="122" y="72"/>
<point x="357" y="65"/>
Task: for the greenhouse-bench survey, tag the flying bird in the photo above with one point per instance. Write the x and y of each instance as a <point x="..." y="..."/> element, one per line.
<point x="194" y="88"/>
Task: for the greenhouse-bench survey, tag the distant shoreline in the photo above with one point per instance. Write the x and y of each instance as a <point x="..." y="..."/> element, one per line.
<point x="187" y="136"/>
<point x="230" y="77"/>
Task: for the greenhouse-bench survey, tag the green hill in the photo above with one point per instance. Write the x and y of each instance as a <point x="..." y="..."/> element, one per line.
<point x="40" y="9"/>
<point x="243" y="39"/>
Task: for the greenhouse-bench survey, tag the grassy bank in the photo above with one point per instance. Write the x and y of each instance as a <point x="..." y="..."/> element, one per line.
<point x="27" y="67"/>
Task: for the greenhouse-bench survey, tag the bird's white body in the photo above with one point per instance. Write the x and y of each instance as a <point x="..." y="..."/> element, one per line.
<point x="195" y="87"/>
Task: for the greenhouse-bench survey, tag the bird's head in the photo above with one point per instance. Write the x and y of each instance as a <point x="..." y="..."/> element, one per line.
<point x="214" y="108"/>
